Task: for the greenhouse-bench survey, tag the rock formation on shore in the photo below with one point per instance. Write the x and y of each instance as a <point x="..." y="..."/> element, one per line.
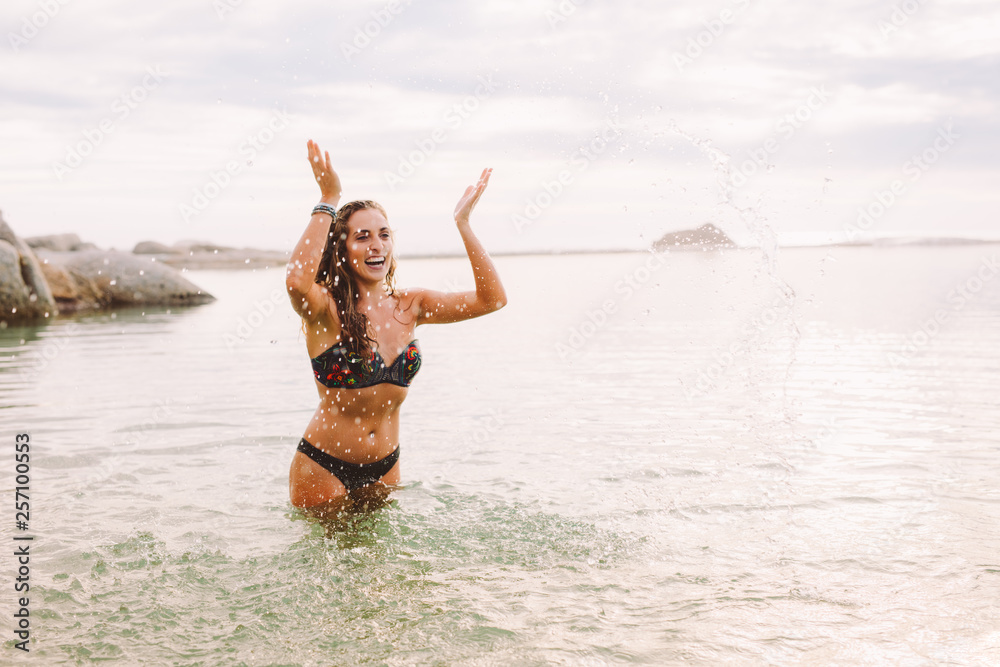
<point x="24" y="292"/>
<point x="706" y="237"/>
<point x="45" y="275"/>
<point x="202" y="255"/>
<point x="58" y="243"/>
<point x="108" y="278"/>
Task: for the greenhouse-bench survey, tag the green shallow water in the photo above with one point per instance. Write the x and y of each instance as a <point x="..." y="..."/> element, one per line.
<point x="389" y="586"/>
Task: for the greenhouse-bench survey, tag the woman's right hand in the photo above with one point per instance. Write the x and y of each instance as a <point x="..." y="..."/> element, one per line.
<point x="326" y="177"/>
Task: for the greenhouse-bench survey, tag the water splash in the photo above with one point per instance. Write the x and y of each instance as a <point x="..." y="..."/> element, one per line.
<point x="765" y="238"/>
<point x="751" y="216"/>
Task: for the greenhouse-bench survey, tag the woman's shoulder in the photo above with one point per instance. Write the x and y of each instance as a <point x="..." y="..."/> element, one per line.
<point x="408" y="299"/>
<point x="407" y="294"/>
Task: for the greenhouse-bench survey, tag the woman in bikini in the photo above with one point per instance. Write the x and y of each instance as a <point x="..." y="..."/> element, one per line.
<point x="360" y="338"/>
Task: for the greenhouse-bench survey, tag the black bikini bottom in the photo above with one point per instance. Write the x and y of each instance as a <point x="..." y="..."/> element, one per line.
<point x="351" y="475"/>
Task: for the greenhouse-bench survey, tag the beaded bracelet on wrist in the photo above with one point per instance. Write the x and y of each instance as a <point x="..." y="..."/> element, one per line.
<point x="325" y="208"/>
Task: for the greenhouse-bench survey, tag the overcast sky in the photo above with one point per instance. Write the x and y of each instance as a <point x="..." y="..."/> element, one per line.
<point x="607" y="124"/>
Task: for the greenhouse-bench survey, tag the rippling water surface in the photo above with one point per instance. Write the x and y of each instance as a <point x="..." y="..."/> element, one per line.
<point x="687" y="463"/>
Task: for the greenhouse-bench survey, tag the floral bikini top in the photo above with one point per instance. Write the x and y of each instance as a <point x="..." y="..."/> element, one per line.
<point x="337" y="368"/>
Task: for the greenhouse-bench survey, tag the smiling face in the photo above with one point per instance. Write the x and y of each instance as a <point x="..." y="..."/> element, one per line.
<point x="369" y="245"/>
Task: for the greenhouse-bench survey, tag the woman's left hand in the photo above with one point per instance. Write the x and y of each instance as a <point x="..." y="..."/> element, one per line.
<point x="472" y="194"/>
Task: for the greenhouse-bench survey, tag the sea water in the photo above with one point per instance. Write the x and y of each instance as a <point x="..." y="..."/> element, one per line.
<point x="648" y="459"/>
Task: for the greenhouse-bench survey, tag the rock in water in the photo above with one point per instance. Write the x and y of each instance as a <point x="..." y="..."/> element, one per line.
<point x="58" y="242"/>
<point x="153" y="248"/>
<point x="24" y="294"/>
<point x="706" y="237"/>
<point x="107" y="278"/>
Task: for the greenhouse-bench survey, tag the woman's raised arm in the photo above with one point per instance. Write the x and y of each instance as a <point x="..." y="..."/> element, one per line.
<point x="441" y="307"/>
<point x="300" y="277"/>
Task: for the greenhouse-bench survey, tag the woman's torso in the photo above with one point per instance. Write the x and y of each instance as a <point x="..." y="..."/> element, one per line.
<point x="361" y="424"/>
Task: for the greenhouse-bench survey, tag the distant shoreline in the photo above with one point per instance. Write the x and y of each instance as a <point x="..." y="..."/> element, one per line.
<point x="882" y="243"/>
<point x="204" y="256"/>
<point x="273" y="259"/>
